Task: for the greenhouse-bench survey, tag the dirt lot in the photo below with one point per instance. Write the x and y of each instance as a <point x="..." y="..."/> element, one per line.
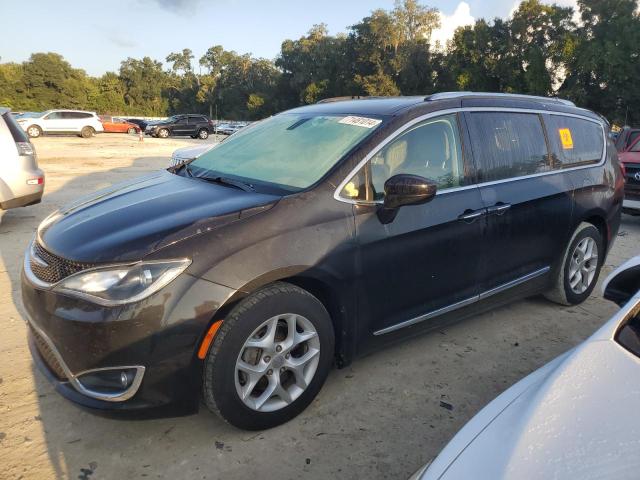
<point x="379" y="418"/>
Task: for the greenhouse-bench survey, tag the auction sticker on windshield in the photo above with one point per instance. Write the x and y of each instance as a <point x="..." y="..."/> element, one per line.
<point x="360" y="121"/>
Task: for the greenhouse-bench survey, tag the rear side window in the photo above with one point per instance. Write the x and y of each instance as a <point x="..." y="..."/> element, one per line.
<point x="16" y="131"/>
<point x="508" y="145"/>
<point x="574" y="141"/>
<point x="197" y="120"/>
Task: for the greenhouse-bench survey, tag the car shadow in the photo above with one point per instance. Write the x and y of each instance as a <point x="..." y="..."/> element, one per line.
<point x="358" y="426"/>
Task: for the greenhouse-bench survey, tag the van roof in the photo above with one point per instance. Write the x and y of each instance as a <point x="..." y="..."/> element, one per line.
<point x="394" y="105"/>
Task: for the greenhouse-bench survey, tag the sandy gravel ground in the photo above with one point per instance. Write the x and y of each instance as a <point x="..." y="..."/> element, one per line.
<point x="379" y="418"/>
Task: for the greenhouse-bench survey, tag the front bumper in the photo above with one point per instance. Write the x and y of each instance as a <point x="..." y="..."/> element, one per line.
<point x="158" y="337"/>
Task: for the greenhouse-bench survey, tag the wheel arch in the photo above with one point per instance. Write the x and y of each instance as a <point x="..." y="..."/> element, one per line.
<point x="598" y="220"/>
<point x="320" y="285"/>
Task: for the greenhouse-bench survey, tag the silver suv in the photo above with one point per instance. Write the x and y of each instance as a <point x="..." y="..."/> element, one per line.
<point x="21" y="181"/>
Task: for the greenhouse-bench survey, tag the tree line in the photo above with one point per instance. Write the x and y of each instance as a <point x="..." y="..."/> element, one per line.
<point x="590" y="56"/>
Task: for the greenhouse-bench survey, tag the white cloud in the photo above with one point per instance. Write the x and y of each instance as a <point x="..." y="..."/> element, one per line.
<point x="448" y="23"/>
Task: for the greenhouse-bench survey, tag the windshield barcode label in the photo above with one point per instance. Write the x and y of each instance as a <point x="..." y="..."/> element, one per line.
<point x="361" y="121"/>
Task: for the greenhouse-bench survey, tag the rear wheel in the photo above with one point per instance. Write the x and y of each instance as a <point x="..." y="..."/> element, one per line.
<point x="578" y="274"/>
<point x="34" y="131"/>
<point x="87" y="132"/>
<point x="163" y="133"/>
<point x="203" y="134"/>
<point x="270" y="358"/>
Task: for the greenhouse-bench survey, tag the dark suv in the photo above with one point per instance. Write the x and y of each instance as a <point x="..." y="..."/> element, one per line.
<point x="195" y="126"/>
<point x="311" y="238"/>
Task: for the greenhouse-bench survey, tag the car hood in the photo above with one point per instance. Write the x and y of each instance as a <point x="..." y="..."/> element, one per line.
<point x="133" y="219"/>
<point x="575" y="418"/>
<point x="194" y="151"/>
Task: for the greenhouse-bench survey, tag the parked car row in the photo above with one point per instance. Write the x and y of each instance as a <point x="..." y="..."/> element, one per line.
<point x="312" y="238"/>
<point x="86" y="124"/>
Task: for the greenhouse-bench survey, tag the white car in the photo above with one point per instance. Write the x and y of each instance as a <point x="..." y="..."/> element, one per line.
<point x="84" y="124"/>
<point x="575" y="418"/>
<point x="186" y="154"/>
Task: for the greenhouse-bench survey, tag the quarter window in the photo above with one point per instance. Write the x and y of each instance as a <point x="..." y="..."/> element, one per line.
<point x="574" y="141"/>
<point x="508" y="145"/>
<point x="430" y="149"/>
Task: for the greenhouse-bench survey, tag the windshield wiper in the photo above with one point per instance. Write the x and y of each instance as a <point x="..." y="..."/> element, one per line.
<point x="247" y="187"/>
<point x="185" y="166"/>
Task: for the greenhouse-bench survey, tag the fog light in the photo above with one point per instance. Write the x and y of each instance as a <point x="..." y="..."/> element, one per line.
<point x="108" y="381"/>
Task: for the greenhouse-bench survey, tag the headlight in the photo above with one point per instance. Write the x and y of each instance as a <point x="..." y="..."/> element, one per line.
<point x="120" y="284"/>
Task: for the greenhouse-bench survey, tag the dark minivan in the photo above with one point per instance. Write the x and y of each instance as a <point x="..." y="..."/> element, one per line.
<point x="311" y="238"/>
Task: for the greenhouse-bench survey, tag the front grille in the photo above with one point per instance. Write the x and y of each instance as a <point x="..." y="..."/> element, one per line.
<point x="56" y="267"/>
<point x="48" y="356"/>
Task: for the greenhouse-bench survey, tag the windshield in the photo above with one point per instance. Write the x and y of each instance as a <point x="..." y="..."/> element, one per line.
<point x="291" y="151"/>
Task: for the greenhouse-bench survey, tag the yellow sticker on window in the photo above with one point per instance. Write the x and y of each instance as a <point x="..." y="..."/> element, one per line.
<point x="351" y="190"/>
<point x="565" y="138"/>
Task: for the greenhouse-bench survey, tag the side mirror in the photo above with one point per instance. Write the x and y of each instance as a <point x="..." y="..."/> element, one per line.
<point x="623" y="283"/>
<point x="402" y="190"/>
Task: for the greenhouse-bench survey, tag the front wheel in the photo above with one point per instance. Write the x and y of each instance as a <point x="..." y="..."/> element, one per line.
<point x="163" y="133"/>
<point x="578" y="274"/>
<point x="131" y="131"/>
<point x="270" y="358"/>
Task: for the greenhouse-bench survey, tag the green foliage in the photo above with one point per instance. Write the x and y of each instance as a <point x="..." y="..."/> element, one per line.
<point x="540" y="50"/>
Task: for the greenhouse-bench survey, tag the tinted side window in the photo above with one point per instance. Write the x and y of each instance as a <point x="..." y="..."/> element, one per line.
<point x="181" y="120"/>
<point x="430" y="149"/>
<point x="508" y="145"/>
<point x="193" y="120"/>
<point x="632" y="137"/>
<point x="574" y="141"/>
<point x="54" y="116"/>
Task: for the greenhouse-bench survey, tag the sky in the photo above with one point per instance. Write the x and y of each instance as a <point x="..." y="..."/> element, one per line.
<point x="97" y="36"/>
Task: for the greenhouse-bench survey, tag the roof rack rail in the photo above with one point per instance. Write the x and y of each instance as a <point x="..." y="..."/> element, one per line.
<point x="445" y="95"/>
<point x="341" y="99"/>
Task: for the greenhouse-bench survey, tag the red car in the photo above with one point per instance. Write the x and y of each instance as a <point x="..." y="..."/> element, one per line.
<point x="630" y="161"/>
<point x="118" y="125"/>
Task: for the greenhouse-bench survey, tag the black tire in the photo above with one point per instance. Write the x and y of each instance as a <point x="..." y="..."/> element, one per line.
<point x="87" y="132"/>
<point x="34" y="131"/>
<point x="163" y="133"/>
<point x="203" y="134"/>
<point x="562" y="293"/>
<point x="219" y="373"/>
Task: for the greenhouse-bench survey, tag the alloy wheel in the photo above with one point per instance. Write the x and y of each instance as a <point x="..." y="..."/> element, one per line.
<point x="583" y="265"/>
<point x="277" y="362"/>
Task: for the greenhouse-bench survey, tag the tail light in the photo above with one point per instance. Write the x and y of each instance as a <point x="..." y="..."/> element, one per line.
<point x="24" y="148"/>
<point x="210" y="123"/>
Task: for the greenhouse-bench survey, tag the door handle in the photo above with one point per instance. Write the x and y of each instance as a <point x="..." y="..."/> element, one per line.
<point x="499" y="208"/>
<point x="470" y="215"/>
